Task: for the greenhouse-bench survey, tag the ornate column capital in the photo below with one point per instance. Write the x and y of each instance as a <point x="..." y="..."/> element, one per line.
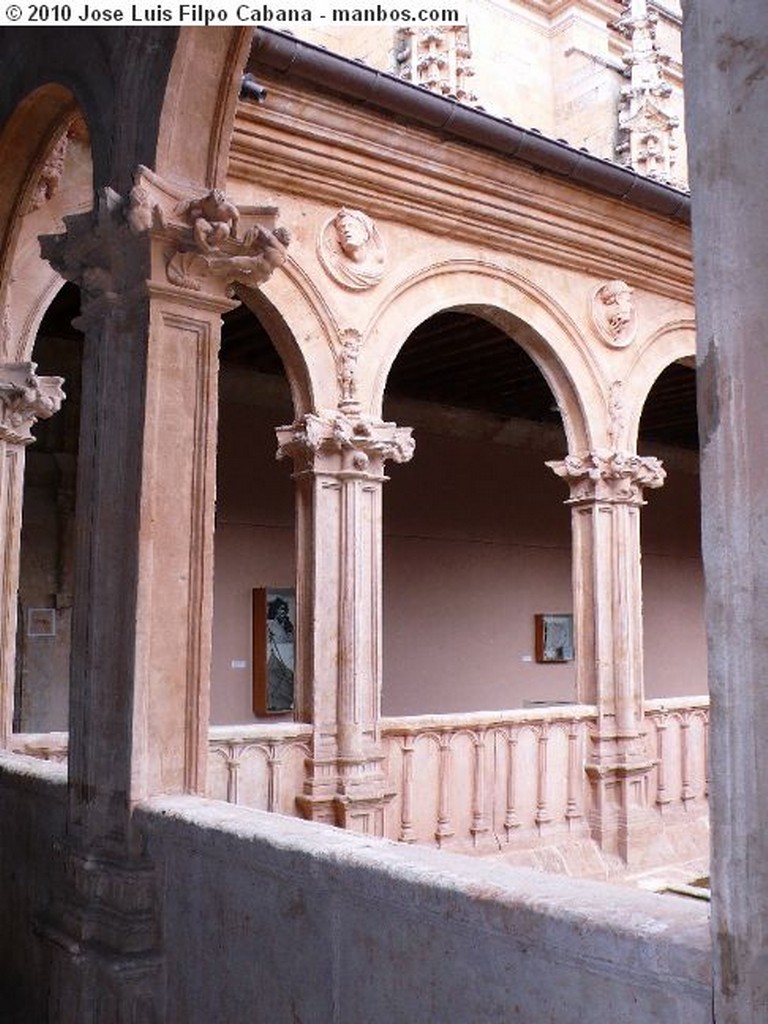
<point x="26" y="398"/>
<point x="100" y="253"/>
<point x="195" y="242"/>
<point x="358" y="440"/>
<point x="207" y="243"/>
<point x="608" y="475"/>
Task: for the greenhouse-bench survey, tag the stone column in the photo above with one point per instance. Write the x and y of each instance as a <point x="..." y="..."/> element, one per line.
<point x="24" y="399"/>
<point x="154" y="269"/>
<point x="725" y="47"/>
<point x="606" y="497"/>
<point x="339" y="459"/>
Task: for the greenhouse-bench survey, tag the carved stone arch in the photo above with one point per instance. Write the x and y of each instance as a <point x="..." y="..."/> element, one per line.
<point x="48" y="172"/>
<point x="282" y="337"/>
<point x="25" y="141"/>
<point x="199" y="104"/>
<point x="514" y="304"/>
<point x="670" y="343"/>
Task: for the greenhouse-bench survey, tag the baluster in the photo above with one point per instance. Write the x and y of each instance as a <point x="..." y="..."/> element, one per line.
<point x="572" y="811"/>
<point x="479" y="820"/>
<point x="662" y="796"/>
<point x="511" y="820"/>
<point x="444" y="830"/>
<point x="686" y="792"/>
<point x="542" y="811"/>
<point x="232" y="756"/>
<point x="274" y="761"/>
<point x="407" y="834"/>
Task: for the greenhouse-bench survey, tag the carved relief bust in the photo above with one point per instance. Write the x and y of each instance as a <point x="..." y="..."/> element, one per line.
<point x="613" y="314"/>
<point x="351" y="249"/>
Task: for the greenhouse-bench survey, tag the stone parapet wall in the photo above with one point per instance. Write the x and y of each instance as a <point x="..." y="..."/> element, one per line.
<point x="32" y="809"/>
<point x="293" y="920"/>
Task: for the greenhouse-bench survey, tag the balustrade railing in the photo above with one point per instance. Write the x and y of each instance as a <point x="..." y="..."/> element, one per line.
<point x="677" y="737"/>
<point x="479" y="780"/>
<point x="258" y="765"/>
<point x="483" y="780"/>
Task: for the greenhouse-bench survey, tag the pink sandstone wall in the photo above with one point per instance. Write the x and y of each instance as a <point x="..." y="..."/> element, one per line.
<point x="477" y="541"/>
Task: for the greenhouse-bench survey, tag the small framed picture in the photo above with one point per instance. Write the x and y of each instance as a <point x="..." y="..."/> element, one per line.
<point x="554" y="638"/>
<point x="274" y="649"/>
<point x="41" y="622"/>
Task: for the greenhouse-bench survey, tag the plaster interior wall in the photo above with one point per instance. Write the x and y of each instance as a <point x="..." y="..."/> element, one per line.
<point x="477" y="540"/>
<point x="673" y="585"/>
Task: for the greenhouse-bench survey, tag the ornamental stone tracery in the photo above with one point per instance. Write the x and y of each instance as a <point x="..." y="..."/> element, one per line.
<point x="438" y="58"/>
<point x="26" y="398"/>
<point x="647" y="128"/>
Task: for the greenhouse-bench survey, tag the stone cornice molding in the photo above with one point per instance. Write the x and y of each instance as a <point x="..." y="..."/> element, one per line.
<point x="26" y="398"/>
<point x="358" y="439"/>
<point x="609" y="476"/>
<point x="486" y="201"/>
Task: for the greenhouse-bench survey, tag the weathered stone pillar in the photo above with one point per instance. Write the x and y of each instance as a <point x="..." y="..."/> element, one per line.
<point x="24" y="399"/>
<point x="339" y="460"/>
<point x="606" y="497"/>
<point x="154" y="270"/>
<point x="725" y="48"/>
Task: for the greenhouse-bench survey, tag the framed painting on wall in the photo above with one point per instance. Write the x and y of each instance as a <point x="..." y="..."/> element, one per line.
<point x="274" y="649"/>
<point x="554" y="638"/>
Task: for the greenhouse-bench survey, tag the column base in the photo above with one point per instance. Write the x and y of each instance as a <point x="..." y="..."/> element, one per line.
<point x="349" y="792"/>
<point x="620" y="821"/>
<point x="103" y="932"/>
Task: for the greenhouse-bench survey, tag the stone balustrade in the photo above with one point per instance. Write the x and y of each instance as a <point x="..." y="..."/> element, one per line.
<point x="258" y="765"/>
<point x="677" y="737"/>
<point x="479" y="781"/>
<point x="487" y="779"/>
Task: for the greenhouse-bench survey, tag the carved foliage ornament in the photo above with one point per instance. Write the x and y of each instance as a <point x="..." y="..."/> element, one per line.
<point x="351" y="250"/>
<point x="361" y="437"/>
<point x="93" y="251"/>
<point x="613" y="314"/>
<point x="609" y="475"/>
<point x="26" y="398"/>
<point x="437" y="58"/>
